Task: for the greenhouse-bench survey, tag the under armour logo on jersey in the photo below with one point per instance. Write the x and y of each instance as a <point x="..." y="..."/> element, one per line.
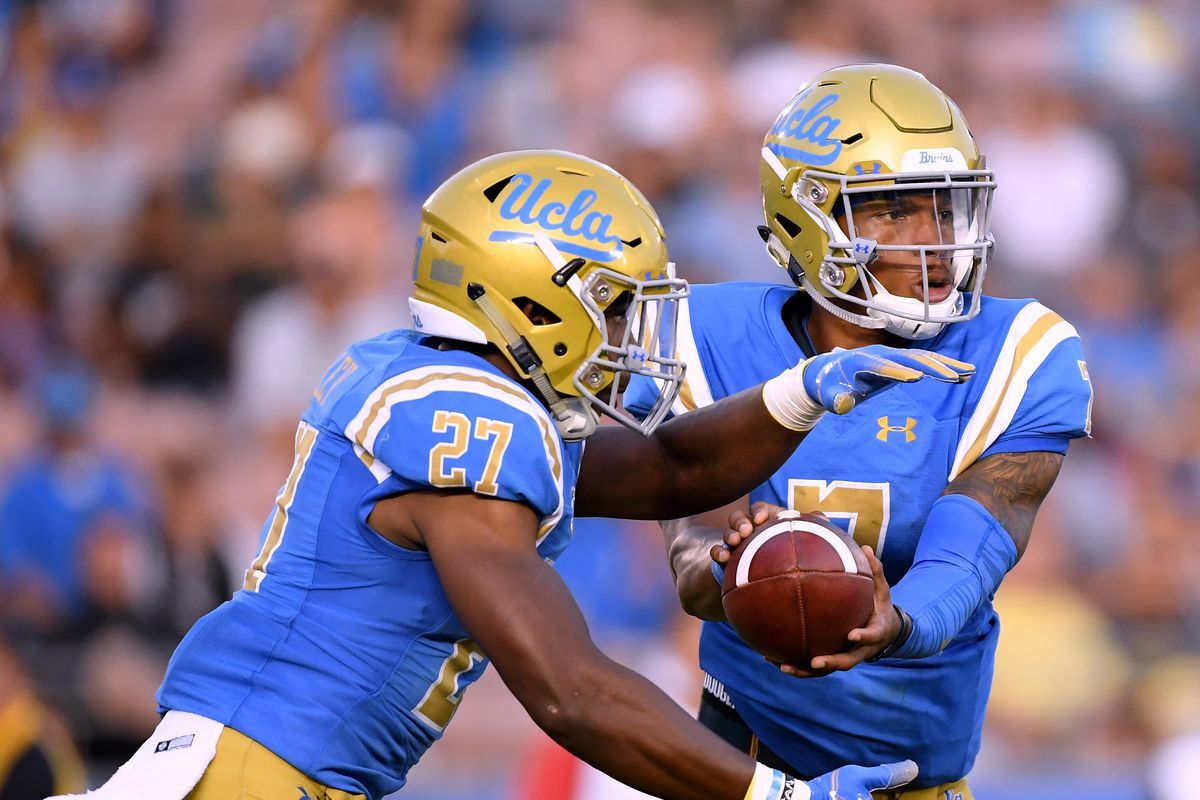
<point x="952" y="795"/>
<point x="886" y="429"/>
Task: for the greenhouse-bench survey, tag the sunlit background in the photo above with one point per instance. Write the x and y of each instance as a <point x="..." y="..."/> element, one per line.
<point x="203" y="201"/>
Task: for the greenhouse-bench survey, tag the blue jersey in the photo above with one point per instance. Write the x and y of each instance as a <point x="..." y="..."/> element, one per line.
<point x="877" y="471"/>
<point x="341" y="653"/>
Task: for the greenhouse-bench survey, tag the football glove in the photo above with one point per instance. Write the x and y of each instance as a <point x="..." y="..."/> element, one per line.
<point x="843" y="783"/>
<point x="841" y="379"/>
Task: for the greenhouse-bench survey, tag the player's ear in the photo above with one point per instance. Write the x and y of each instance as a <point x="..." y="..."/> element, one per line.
<point x="537" y="313"/>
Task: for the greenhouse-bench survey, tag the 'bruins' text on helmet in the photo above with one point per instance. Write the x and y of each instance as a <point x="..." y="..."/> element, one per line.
<point x="864" y="137"/>
<point x="560" y="263"/>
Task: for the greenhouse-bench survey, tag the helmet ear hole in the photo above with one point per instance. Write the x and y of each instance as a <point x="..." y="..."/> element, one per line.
<point x="538" y="314"/>
<point x="791" y="228"/>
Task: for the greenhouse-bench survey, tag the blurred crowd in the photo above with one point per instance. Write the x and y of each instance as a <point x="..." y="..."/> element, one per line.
<point x="203" y="202"/>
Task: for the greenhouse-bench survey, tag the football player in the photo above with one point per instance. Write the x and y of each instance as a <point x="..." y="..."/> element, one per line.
<point x="876" y="199"/>
<point x="437" y="472"/>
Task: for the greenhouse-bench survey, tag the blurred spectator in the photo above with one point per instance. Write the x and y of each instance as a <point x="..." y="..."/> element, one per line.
<point x="1061" y="185"/>
<point x="1123" y="338"/>
<point x="26" y="306"/>
<point x="202" y="562"/>
<point x="1137" y="49"/>
<point x="36" y="756"/>
<point x="125" y="31"/>
<point x="284" y="343"/>
<point x="72" y="519"/>
<point x="405" y="63"/>
<point x="167" y="322"/>
<point x="76" y="188"/>
<point x="1169" y="700"/>
<point x="1173" y="765"/>
<point x="76" y="564"/>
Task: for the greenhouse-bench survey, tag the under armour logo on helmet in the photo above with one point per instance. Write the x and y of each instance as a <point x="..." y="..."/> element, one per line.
<point x="864" y="250"/>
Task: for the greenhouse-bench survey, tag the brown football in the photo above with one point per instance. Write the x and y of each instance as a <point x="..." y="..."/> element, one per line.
<point x="796" y="587"/>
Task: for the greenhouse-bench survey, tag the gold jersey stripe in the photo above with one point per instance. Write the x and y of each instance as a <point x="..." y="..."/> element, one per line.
<point x="1034" y="335"/>
<point x="360" y="437"/>
<point x="366" y="458"/>
<point x="306" y="435"/>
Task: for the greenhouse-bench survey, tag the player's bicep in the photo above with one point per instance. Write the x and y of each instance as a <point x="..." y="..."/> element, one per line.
<point x="513" y="604"/>
<point x="1011" y="486"/>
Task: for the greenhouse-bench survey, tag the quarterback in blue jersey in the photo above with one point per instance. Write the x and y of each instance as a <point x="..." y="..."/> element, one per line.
<point x="438" y="471"/>
<point x="876" y="201"/>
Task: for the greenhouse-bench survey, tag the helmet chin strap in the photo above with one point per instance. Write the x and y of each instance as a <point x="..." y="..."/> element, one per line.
<point x="824" y="302"/>
<point x="574" y="421"/>
<point x="778" y="251"/>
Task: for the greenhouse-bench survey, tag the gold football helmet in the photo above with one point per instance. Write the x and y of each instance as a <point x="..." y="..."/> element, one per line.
<point x="560" y="263"/>
<point x="883" y="134"/>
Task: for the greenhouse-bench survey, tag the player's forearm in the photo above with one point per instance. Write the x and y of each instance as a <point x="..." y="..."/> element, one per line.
<point x="624" y="726"/>
<point x="962" y="556"/>
<point x="719" y="453"/>
<point x="688" y="547"/>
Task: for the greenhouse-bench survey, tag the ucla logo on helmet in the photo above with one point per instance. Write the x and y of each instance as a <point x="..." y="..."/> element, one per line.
<point x="811" y="129"/>
<point x="524" y="203"/>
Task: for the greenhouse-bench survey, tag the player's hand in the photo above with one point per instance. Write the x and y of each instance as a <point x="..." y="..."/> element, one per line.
<point x="842" y="379"/>
<point x="843" y="783"/>
<point x="741" y="525"/>
<point x="856" y="783"/>
<point x="882" y="628"/>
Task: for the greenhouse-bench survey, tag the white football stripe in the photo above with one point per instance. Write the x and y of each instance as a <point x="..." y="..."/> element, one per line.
<point x="835" y="542"/>
<point x="743" y="571"/>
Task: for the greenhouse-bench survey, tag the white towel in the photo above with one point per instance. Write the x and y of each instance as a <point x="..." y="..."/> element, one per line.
<point x="167" y="766"/>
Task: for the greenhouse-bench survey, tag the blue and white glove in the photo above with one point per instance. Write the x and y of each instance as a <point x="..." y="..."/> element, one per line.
<point x="844" y="783"/>
<point x="839" y="380"/>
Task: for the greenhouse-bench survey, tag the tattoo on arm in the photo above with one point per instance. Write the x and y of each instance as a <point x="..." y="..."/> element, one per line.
<point x="1011" y="486"/>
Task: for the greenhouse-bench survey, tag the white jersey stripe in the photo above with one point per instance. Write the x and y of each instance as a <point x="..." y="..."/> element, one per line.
<point x="695" y="392"/>
<point x="1020" y="383"/>
<point x="1005" y="387"/>
<point x="996" y="381"/>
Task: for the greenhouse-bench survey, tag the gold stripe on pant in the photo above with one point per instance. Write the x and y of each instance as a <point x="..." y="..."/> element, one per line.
<point x="947" y="791"/>
<point x="243" y="769"/>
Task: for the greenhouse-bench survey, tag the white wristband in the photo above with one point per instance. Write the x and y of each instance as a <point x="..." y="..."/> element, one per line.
<point x="771" y="784"/>
<point x="789" y="403"/>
